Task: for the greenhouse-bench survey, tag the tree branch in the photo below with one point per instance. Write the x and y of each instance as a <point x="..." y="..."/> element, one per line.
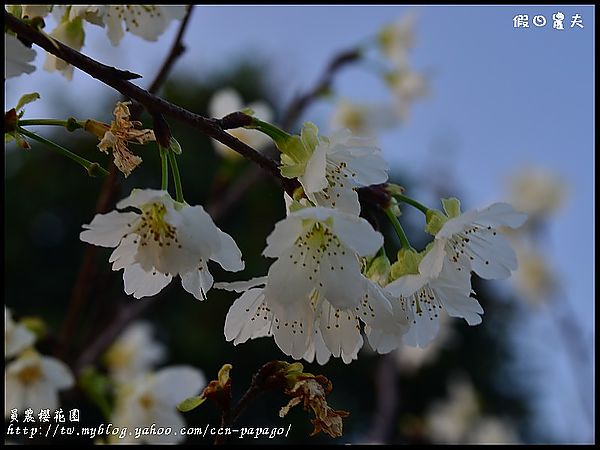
<point x="114" y="78"/>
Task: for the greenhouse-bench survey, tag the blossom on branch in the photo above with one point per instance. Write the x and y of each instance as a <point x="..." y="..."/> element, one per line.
<point x="472" y="240"/>
<point x="330" y="169"/>
<point x="160" y="240"/>
<point x="122" y="131"/>
<point x="314" y="296"/>
<point x="152" y="399"/>
<point x="33" y="381"/>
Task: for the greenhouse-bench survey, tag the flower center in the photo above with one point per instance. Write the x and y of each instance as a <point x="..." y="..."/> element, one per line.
<point x="146" y="401"/>
<point x="30" y="374"/>
<point x="154" y="227"/>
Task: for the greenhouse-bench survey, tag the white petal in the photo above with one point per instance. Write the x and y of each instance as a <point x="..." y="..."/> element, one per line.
<point x="143" y="284"/>
<point x="139" y="197"/>
<point x="406" y="285"/>
<point x="40" y="395"/>
<point x="342" y="198"/>
<point x="314" y="179"/>
<point x="241" y="286"/>
<point x="248" y="318"/>
<point x="284" y="235"/>
<point x="114" y="29"/>
<point x="317" y="350"/>
<point x="229" y="255"/>
<point x="15" y="394"/>
<point x="57" y="373"/>
<point x="291" y="279"/>
<point x="166" y="418"/>
<point x="452" y="289"/>
<point x="224" y="102"/>
<point x="357" y="233"/>
<point x="107" y="230"/>
<point x="341" y="282"/>
<point x="174" y="384"/>
<point x="198" y="281"/>
<point x="124" y="255"/>
<point x="432" y="263"/>
<point x="341" y="332"/>
<point x="19" y="339"/>
<point x="423" y="330"/>
<point x="500" y="214"/>
<point x="493" y="256"/>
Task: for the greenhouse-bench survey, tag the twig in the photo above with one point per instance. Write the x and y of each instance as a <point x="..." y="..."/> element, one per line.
<point x="214" y="128"/>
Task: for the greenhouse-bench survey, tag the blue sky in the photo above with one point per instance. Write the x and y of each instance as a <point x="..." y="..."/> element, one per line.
<point x="501" y="98"/>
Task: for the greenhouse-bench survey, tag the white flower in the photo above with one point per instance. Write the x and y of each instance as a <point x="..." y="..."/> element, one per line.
<point x="363" y="119"/>
<point x="134" y="353"/>
<point x="33" y="381"/>
<point x="16" y="336"/>
<point x="227" y="101"/>
<point x="319" y="331"/>
<point x="314" y="294"/>
<point x="396" y="40"/>
<point x="69" y="32"/>
<point x="145" y="21"/>
<point x="472" y="239"/>
<point x="534" y="278"/>
<point x="152" y="400"/>
<point x="330" y="169"/>
<point x="17" y="57"/>
<point x="448" y="421"/>
<point x="492" y="430"/>
<point x="536" y="192"/>
<point x="407" y="87"/>
<point x="422" y="294"/>
<point x="161" y="240"/>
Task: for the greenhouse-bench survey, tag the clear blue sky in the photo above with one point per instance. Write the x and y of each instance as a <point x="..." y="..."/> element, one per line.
<point x="501" y="98"/>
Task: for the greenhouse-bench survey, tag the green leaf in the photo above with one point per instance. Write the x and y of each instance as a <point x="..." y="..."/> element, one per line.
<point x="27" y="98"/>
<point x="191" y="403"/>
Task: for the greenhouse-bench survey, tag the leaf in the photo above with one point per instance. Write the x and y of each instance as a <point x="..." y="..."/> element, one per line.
<point x="27" y="98"/>
<point x="190" y="403"/>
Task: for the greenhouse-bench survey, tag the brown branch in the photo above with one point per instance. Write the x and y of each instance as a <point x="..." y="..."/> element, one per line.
<point x="214" y="128"/>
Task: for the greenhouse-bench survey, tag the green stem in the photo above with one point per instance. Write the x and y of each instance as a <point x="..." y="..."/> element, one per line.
<point x="399" y="230"/>
<point x="275" y="133"/>
<point x="424" y="209"/>
<point x="164" y="164"/>
<point x="70" y="124"/>
<point x="176" y="177"/>
<point x="92" y="168"/>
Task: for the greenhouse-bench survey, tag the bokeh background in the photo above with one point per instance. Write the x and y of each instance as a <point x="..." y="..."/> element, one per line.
<point x="508" y="115"/>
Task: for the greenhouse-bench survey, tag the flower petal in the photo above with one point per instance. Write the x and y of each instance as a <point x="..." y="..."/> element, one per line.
<point x="357" y="233"/>
<point x="198" y="282"/>
<point x="107" y="230"/>
<point x="248" y="318"/>
<point x="144" y="284"/>
<point x="57" y="373"/>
